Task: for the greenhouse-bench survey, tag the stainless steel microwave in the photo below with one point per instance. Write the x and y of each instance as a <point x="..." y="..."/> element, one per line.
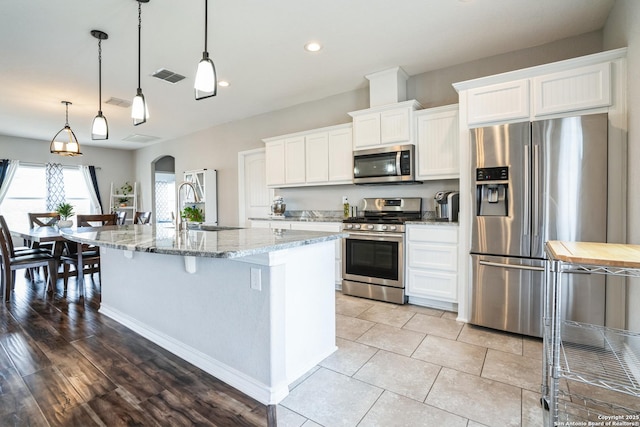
<point x="386" y="165"/>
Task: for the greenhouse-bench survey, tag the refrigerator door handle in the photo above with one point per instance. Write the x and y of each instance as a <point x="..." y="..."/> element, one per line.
<point x="536" y="188"/>
<point x="527" y="192"/>
<point x="515" y="266"/>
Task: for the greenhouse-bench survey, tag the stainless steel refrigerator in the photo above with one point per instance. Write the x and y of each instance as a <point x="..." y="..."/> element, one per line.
<point x="534" y="182"/>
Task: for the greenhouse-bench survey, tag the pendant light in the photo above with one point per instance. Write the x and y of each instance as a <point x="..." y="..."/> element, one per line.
<point x="100" y="128"/>
<point x="139" y="109"/>
<point x="65" y="142"/>
<point x="206" y="82"/>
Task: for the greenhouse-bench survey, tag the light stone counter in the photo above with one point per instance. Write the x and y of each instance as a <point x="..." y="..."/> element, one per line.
<point x="252" y="307"/>
<point x="226" y="243"/>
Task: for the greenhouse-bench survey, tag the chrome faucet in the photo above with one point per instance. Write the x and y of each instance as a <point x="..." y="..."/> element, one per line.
<point x="181" y="224"/>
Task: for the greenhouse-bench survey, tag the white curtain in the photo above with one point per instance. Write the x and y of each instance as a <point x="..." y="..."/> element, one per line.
<point x="95" y="202"/>
<point x="8" y="177"/>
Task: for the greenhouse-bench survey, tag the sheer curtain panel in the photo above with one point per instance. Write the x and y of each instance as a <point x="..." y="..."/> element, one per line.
<point x="90" y="179"/>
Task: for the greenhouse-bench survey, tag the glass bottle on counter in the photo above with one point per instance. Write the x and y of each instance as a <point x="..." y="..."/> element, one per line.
<point x="345" y="206"/>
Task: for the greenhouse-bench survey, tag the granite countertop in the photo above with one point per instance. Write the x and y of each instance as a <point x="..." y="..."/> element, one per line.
<point x="225" y="243"/>
<point x="305" y="216"/>
<point x="431" y="222"/>
<point x="299" y="219"/>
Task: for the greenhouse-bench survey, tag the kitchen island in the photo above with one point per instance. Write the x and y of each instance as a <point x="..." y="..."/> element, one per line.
<point x="252" y="307"/>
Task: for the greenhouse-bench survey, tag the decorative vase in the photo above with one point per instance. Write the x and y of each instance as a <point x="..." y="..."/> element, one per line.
<point x="123" y="205"/>
<point x="65" y="223"/>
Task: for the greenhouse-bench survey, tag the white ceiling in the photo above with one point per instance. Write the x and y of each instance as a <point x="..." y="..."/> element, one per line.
<point x="48" y="54"/>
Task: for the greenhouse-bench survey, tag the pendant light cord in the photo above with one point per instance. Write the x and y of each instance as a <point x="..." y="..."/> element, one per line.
<point x="100" y="75"/>
<point x="66" y="115"/>
<point x="206" y="16"/>
<point x="139" y="32"/>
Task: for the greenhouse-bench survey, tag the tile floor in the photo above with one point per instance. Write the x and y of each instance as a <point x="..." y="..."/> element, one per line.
<point x="415" y="366"/>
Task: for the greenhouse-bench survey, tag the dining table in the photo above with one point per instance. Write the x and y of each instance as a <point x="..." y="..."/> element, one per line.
<point x="52" y="234"/>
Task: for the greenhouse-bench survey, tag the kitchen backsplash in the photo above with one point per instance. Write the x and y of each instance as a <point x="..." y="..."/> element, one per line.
<point x="329" y="198"/>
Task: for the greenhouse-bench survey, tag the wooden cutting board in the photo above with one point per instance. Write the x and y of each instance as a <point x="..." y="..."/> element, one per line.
<point x="604" y="254"/>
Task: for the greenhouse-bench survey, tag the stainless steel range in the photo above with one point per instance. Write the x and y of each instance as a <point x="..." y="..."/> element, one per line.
<point x="373" y="254"/>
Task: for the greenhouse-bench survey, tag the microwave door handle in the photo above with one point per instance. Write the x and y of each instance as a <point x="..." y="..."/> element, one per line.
<point x="398" y="168"/>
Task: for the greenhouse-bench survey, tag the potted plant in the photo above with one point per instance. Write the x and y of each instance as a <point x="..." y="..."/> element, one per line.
<point x="192" y="214"/>
<point x="65" y="210"/>
<point x="126" y="189"/>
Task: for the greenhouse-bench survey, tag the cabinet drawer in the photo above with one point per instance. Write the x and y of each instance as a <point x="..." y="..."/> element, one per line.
<point x="432" y="284"/>
<point x="433" y="256"/>
<point x="433" y="234"/>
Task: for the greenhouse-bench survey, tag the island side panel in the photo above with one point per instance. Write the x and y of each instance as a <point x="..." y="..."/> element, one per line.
<point x="310" y="308"/>
<point x="259" y="341"/>
<point x="211" y="318"/>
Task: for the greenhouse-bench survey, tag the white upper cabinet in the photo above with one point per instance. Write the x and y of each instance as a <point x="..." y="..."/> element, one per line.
<point x="274" y="158"/>
<point x="384" y="125"/>
<point x="498" y="102"/>
<point x="366" y="130"/>
<point x="341" y="155"/>
<point x="571" y="90"/>
<point x="295" y="160"/>
<point x="581" y="85"/>
<point x="316" y="157"/>
<point x="437" y="143"/>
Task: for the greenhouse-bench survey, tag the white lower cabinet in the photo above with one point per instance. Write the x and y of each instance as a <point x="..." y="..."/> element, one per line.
<point x="329" y="227"/>
<point x="432" y="265"/>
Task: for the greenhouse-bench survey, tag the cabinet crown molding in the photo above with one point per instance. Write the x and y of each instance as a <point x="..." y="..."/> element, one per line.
<point x="405" y="104"/>
<point x="567" y="64"/>
<point x="310" y="131"/>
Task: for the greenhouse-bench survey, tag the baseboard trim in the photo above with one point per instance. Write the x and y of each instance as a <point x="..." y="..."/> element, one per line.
<point x="251" y="387"/>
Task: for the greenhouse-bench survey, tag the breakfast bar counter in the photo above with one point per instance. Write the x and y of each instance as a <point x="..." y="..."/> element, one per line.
<point x="252" y="307"/>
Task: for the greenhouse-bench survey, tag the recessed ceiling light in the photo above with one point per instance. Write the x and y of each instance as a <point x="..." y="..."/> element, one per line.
<point x="312" y="47"/>
<point x="223" y="83"/>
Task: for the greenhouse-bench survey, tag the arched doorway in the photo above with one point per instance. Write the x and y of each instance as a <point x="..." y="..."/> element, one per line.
<point x="164" y="189"/>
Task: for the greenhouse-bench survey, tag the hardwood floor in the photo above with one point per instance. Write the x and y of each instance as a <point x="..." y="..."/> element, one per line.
<point x="64" y="364"/>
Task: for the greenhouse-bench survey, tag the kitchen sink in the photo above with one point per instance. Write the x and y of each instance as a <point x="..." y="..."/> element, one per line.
<point x="205" y="227"/>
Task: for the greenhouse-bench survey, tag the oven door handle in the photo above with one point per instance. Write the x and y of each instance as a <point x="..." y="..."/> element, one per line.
<point x="379" y="235"/>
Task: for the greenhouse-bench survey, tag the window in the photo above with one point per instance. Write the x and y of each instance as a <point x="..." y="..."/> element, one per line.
<point x="28" y="193"/>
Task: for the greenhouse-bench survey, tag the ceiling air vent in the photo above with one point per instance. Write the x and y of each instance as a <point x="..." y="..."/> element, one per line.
<point x="118" y="102"/>
<point x="140" y="138"/>
<point x="167" y="75"/>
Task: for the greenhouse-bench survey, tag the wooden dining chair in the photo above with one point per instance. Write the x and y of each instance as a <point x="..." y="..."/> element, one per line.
<point x="43" y="219"/>
<point x="121" y="217"/>
<point x="97" y="220"/>
<point x="142" y="218"/>
<point x="90" y="254"/>
<point x="12" y="261"/>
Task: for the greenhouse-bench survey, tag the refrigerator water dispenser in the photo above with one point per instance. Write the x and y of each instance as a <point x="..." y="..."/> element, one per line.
<point x="491" y="191"/>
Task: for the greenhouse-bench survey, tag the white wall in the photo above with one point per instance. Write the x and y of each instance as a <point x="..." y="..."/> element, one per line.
<point x="114" y="165"/>
<point x="623" y="29"/>
<point x="217" y="147"/>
